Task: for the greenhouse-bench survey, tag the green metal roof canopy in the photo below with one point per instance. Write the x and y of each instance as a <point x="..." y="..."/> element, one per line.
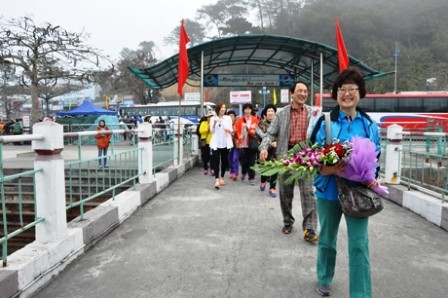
<point x="293" y="56"/>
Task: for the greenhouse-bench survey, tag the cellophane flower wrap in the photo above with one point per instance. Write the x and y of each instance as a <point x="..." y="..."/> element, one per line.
<point x="304" y="160"/>
<point x="362" y="163"/>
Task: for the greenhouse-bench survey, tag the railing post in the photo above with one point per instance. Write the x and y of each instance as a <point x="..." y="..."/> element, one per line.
<point x="393" y="154"/>
<point x="145" y="142"/>
<point x="179" y="146"/>
<point x="50" y="183"/>
<point x="440" y="143"/>
<point x="195" y="144"/>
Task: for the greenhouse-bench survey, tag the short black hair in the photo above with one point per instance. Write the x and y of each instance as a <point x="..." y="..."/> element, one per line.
<point x="351" y="75"/>
<point x="292" y="88"/>
<point x="231" y="112"/>
<point x="248" y="106"/>
<point x="267" y="107"/>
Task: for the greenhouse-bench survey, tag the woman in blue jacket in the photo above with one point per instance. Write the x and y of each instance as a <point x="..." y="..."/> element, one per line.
<point x="347" y="121"/>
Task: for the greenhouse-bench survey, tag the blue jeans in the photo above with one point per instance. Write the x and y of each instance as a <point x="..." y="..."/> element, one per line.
<point x="102" y="152"/>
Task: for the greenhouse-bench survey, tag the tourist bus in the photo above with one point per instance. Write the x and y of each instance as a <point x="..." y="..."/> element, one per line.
<point x="188" y="110"/>
<point x="412" y="110"/>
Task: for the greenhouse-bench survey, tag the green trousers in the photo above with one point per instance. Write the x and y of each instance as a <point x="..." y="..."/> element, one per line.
<point x="329" y="214"/>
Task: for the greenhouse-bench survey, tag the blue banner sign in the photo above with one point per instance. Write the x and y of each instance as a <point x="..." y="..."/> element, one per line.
<point x="248" y="80"/>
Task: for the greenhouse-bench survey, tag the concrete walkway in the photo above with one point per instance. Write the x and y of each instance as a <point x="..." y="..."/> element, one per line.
<point x="194" y="241"/>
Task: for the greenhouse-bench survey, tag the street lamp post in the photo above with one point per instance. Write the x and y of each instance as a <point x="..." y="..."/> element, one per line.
<point x="396" y="54"/>
<point x="265" y="92"/>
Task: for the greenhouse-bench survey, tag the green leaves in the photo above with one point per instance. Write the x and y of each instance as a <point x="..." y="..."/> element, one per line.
<point x="284" y="166"/>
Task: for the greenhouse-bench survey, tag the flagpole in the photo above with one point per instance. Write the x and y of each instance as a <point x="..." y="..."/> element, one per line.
<point x="182" y="73"/>
<point x="321" y="88"/>
<point x="178" y="135"/>
<point x="202" y="84"/>
<point x="397" y="52"/>
<point x="312" y="83"/>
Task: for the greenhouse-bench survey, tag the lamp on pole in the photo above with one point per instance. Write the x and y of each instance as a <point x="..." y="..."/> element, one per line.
<point x="396" y="54"/>
<point x="265" y="92"/>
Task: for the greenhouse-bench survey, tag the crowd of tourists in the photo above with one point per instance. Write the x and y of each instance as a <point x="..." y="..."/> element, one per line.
<point x="234" y="145"/>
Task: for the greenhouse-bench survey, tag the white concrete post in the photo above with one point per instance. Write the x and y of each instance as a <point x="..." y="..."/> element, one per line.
<point x="50" y="183"/>
<point x="145" y="142"/>
<point x="195" y="145"/>
<point x="178" y="144"/>
<point x="393" y="154"/>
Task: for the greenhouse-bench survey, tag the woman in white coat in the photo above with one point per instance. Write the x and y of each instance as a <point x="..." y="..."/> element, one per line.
<point x="221" y="128"/>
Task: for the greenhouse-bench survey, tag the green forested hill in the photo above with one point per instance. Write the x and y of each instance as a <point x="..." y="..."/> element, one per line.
<point x="372" y="29"/>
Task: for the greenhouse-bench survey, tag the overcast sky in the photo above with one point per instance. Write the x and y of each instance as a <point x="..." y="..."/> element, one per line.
<point x="113" y="24"/>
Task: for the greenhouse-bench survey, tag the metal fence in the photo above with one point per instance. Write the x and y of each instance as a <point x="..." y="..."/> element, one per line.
<point x="15" y="210"/>
<point x="422" y="162"/>
<point x="84" y="180"/>
<point x="423" y="166"/>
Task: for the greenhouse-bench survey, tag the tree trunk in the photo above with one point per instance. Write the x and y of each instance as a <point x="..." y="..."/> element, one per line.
<point x="47" y="107"/>
<point x="35" y="106"/>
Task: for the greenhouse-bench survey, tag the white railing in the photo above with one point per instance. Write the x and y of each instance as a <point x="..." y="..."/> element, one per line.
<point x="48" y="143"/>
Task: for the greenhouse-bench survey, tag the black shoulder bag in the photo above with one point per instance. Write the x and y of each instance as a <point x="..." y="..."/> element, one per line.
<point x="356" y="199"/>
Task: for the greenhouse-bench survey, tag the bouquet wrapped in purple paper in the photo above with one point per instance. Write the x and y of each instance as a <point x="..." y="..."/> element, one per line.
<point x="361" y="164"/>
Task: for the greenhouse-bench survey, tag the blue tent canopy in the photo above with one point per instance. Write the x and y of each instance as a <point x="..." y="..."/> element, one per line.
<point x="87" y="108"/>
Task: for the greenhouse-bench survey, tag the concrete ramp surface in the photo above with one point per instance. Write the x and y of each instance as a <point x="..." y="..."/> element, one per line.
<point x="194" y="241"/>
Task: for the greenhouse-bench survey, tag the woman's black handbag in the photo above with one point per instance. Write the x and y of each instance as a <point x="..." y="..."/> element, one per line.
<point x="356" y="199"/>
<point x="202" y="143"/>
<point x="253" y="143"/>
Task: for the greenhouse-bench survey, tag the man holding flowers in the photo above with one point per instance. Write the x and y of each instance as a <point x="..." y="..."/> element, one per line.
<point x="347" y="123"/>
<point x="289" y="128"/>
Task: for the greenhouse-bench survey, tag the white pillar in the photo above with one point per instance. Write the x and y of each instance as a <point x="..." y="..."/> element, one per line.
<point x="178" y="144"/>
<point x="145" y="142"/>
<point x="195" y="144"/>
<point x="50" y="183"/>
<point x="393" y="154"/>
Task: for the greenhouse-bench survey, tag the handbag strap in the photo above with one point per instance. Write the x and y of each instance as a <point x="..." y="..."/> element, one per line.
<point x="328" y="128"/>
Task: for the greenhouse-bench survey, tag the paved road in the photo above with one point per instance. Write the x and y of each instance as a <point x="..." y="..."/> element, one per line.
<point x="194" y="241"/>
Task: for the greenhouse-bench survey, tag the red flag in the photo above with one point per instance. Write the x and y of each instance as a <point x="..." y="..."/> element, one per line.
<point x="342" y="51"/>
<point x="182" y="71"/>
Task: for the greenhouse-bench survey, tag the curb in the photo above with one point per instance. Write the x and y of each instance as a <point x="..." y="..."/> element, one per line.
<point x="430" y="208"/>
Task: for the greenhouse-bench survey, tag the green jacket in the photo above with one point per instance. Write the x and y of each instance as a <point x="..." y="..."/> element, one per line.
<point x="16" y="128"/>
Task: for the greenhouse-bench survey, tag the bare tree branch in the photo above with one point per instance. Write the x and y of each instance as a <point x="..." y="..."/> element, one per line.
<point x="45" y="53"/>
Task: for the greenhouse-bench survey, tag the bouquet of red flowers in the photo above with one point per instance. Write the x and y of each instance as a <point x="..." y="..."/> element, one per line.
<point x="303" y="161"/>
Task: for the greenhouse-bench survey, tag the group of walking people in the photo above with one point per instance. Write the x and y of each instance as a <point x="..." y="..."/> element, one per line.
<point x="238" y="143"/>
<point x="228" y="143"/>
